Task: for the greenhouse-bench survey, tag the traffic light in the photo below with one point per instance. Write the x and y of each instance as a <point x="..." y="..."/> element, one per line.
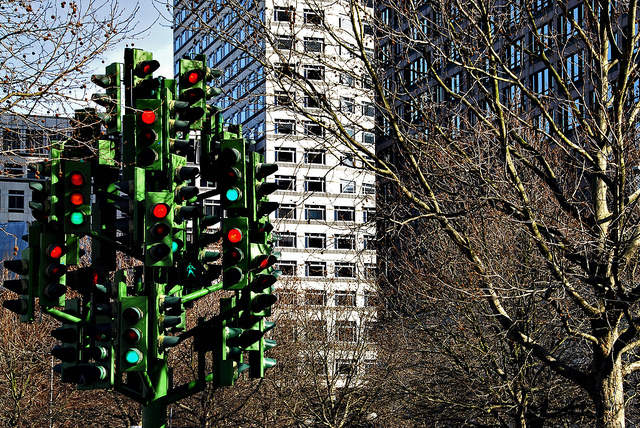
<point x="158" y="229"/>
<point x="25" y="285"/>
<point x="70" y="334"/>
<point x="194" y="75"/>
<point x="111" y="100"/>
<point x="40" y="203"/>
<point x="132" y="333"/>
<point x="52" y="270"/>
<point x="131" y="225"/>
<point x="150" y="147"/>
<point x="139" y="81"/>
<point x="259" y="171"/>
<point x="228" y="356"/>
<point x="77" y="197"/>
<point x="235" y="252"/>
<point x="169" y="317"/>
<point x="258" y="363"/>
<point x="232" y="170"/>
<point x="99" y="348"/>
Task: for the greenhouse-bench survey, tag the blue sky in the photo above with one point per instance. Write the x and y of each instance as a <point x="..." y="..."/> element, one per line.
<point x="158" y="38"/>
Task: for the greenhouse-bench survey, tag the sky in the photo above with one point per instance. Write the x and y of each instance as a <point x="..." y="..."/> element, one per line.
<point x="157" y="37"/>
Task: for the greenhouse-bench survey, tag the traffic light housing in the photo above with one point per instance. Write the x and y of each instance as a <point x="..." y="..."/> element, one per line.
<point x="52" y="270"/>
<point x="139" y="80"/>
<point x="77" y="197"/>
<point x="111" y="100"/>
<point x="133" y="333"/>
<point x="194" y="75"/>
<point x="232" y="171"/>
<point x="150" y="147"/>
<point x="70" y="352"/>
<point x="159" y="229"/>
<point x="235" y="252"/>
<point x="26" y="284"/>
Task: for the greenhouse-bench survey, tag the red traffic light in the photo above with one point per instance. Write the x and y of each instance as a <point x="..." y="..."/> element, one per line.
<point x="76" y="178"/>
<point x="148" y="116"/>
<point x="132" y="335"/>
<point x="147" y="137"/>
<point x="76" y="198"/>
<point x="234" y="235"/>
<point x="160" y="210"/>
<point x="160" y="230"/>
<point x="145" y="68"/>
<point x="55" y="251"/>
<point x="55" y="271"/>
<point x="194" y="76"/>
<point x="132" y="315"/>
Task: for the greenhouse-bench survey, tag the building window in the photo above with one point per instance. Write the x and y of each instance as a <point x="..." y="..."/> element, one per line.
<point x="347" y="186"/>
<point x="541" y="82"/>
<point x="370" y="272"/>
<point x="284" y="42"/>
<point x="368" y="214"/>
<point x="368" y="109"/>
<point x="314" y="157"/>
<point x="316" y="269"/>
<point x="313" y="44"/>
<point x="314" y="72"/>
<point x="348" y="105"/>
<point x="348" y="160"/>
<point x="369" y="299"/>
<point x="315" y="240"/>
<point x="317" y="331"/>
<point x="345" y="213"/>
<point x="284" y="14"/>
<point x="16" y="201"/>
<point x="574" y="68"/>
<point x="514" y="54"/>
<point x="315" y="17"/>
<point x="286" y="239"/>
<point x="313" y="128"/>
<point x="314" y="184"/>
<point x="368" y="138"/>
<point x="288" y="267"/>
<point x="314" y="212"/>
<point x="369" y="242"/>
<point x="346" y="270"/>
<point x="315" y="297"/>
<point x="347" y="79"/>
<point x="286" y="211"/>
<point x="285" y="126"/>
<point x="345" y="242"/>
<point x="286" y="182"/>
<point x="346" y="331"/>
<point x="368" y="188"/>
<point x="345" y="298"/>
<point x="11" y="139"/>
<point x="284" y="99"/>
<point x="311" y="102"/>
<point x="285" y="69"/>
<point x="345" y="367"/>
<point x="285" y="154"/>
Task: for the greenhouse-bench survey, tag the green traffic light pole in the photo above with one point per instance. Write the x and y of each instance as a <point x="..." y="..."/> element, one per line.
<point x="154" y="412"/>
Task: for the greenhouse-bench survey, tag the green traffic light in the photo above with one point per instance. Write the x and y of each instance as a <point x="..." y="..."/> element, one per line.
<point x="132" y="356"/>
<point x="233" y="194"/>
<point x="76" y="218"/>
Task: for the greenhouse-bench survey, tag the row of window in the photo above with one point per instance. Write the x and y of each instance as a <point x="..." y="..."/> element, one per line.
<point x="316" y="330"/>
<point x="312" y="297"/>
<point x="288" y="14"/>
<point x="319" y="184"/>
<point x="316" y="269"/>
<point x="319" y="212"/>
<point x="317" y="73"/>
<point x="314" y="156"/>
<point x="312" y="212"/>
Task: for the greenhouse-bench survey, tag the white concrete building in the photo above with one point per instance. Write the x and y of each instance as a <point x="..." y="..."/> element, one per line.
<point x="278" y="66"/>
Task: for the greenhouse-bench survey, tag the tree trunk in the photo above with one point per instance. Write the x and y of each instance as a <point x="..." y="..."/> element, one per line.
<point x="608" y="395"/>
